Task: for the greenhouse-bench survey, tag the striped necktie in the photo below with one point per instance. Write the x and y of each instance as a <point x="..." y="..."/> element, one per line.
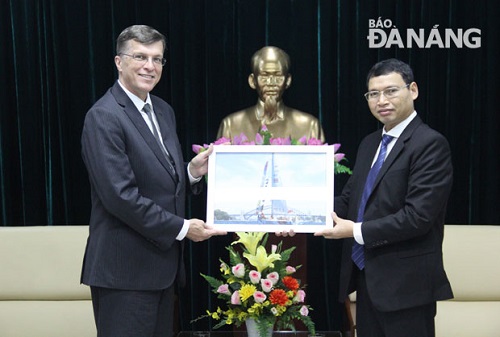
<point x="358" y="253"/>
<point x="147" y="109"/>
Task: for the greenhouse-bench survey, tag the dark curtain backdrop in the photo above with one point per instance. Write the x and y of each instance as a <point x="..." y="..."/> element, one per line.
<point x="56" y="60"/>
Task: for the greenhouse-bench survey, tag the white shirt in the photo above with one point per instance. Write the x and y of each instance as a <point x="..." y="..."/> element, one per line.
<point x="395" y="132"/>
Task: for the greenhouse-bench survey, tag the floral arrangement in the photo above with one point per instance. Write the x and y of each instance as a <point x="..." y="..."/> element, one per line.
<point x="260" y="286"/>
<point x="257" y="285"/>
<point x="264" y="137"/>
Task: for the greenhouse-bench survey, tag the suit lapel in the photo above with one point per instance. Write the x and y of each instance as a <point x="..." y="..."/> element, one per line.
<point x="140" y="124"/>
<point x="168" y="137"/>
<point x="398" y="147"/>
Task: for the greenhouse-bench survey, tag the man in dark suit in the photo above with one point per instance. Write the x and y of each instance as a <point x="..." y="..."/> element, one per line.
<point x="392" y="215"/>
<point x="138" y="183"/>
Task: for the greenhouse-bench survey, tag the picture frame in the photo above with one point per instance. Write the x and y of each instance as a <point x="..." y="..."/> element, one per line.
<point x="270" y="188"/>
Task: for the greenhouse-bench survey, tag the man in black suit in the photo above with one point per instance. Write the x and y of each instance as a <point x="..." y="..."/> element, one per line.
<point x="138" y="183"/>
<point x="395" y="227"/>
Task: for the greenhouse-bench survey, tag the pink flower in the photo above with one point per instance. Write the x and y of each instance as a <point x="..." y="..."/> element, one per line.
<point x="240" y="140"/>
<point x="314" y="141"/>
<point x="259" y="296"/>
<point x="266" y="285"/>
<point x="224" y="289"/>
<point x="273" y="277"/>
<point x="280" y="141"/>
<point x="235" y="298"/>
<point x="274" y="248"/>
<point x="303" y="140"/>
<point x="304" y="311"/>
<point x="258" y="139"/>
<point x="197" y="148"/>
<point x="222" y="140"/>
<point x="338" y="157"/>
<point x="336" y="147"/>
<point x="299" y="296"/>
<point x="254" y="276"/>
<point x="290" y="270"/>
<point x="239" y="270"/>
<point x="263" y="128"/>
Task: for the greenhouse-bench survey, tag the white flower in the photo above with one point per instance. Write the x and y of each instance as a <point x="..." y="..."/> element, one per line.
<point x="273" y="277"/>
<point x="267" y="285"/>
<point x="304" y="311"/>
<point x="239" y="270"/>
<point x="254" y="276"/>
<point x="259" y="296"/>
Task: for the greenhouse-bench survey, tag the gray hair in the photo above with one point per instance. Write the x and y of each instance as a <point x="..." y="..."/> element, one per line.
<point x="140" y="33"/>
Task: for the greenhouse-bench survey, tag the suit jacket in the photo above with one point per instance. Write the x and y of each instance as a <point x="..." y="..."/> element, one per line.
<point x="137" y="205"/>
<point x="403" y="223"/>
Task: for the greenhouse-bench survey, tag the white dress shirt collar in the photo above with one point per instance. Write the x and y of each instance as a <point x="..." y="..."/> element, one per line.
<point x="398" y="129"/>
<point x="139" y="103"/>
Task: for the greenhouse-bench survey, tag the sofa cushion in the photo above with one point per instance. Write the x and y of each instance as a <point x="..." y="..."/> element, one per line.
<point x="42" y="263"/>
<point x="467" y="318"/>
<point x="47" y="319"/>
<point x="471" y="255"/>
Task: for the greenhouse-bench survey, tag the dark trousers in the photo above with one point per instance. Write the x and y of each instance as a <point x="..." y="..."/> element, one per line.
<point x="412" y="322"/>
<point x="127" y="313"/>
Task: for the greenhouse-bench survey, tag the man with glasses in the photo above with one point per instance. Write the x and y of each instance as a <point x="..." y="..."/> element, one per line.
<point x="270" y="77"/>
<point x="139" y="181"/>
<point x="391" y="214"/>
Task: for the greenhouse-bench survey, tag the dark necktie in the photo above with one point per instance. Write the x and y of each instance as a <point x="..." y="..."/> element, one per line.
<point x="171" y="165"/>
<point x="358" y="253"/>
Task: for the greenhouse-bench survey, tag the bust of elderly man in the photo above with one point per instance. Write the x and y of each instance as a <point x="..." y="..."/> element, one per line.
<point x="270" y="77"/>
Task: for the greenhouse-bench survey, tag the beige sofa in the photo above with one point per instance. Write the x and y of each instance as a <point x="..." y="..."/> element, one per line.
<point x="472" y="262"/>
<point x="40" y="290"/>
<point x="41" y="294"/>
<point x="471" y="256"/>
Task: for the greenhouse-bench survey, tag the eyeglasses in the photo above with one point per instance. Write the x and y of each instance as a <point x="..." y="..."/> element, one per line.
<point x="391" y="92"/>
<point x="278" y="79"/>
<point x="141" y="58"/>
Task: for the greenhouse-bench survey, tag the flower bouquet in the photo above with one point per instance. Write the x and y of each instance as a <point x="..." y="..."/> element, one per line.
<point x="259" y="286"/>
<point x="264" y="137"/>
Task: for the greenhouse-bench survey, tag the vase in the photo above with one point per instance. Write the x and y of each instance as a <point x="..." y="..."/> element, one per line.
<point x="253" y="329"/>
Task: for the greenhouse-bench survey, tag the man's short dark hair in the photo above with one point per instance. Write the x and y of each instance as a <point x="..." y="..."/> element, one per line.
<point x="391" y="66"/>
<point x="140" y="33"/>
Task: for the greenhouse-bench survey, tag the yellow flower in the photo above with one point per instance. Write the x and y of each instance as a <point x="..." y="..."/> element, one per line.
<point x="245" y="300"/>
<point x="224" y="268"/>
<point x="261" y="260"/>
<point x="214" y="315"/>
<point x="249" y="240"/>
<point x="280" y="310"/>
<point x="247" y="291"/>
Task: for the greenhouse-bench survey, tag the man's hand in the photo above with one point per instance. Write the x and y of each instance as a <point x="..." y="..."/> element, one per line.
<point x="342" y="228"/>
<point x="285" y="233"/>
<point x="200" y="231"/>
<point x="199" y="164"/>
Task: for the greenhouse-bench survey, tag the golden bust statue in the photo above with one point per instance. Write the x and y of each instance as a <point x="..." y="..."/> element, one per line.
<point x="270" y="77"/>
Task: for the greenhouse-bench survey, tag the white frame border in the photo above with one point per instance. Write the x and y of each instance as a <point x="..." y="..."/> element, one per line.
<point x="324" y="193"/>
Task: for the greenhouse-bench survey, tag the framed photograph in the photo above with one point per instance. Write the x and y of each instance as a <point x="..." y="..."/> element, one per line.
<point x="269" y="188"/>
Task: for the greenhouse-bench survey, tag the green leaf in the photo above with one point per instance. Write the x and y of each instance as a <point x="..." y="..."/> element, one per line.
<point x="339" y="168"/>
<point x="214" y="283"/>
